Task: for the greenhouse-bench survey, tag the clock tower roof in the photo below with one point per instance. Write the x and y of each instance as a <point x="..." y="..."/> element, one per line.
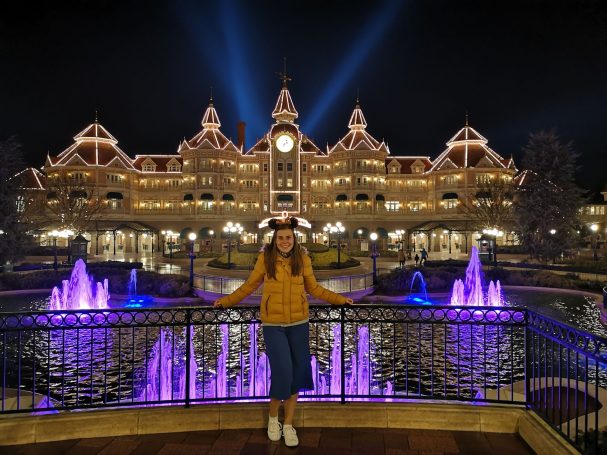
<point x="285" y="111"/>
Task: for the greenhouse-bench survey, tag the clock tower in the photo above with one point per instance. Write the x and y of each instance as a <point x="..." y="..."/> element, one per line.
<point x="285" y="159"/>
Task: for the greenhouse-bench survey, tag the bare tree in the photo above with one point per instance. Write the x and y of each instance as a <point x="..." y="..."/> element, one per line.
<point x="491" y="206"/>
<point x="72" y="202"/>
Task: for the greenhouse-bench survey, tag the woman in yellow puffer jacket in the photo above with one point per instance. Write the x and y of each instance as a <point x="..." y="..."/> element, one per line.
<point x="286" y="271"/>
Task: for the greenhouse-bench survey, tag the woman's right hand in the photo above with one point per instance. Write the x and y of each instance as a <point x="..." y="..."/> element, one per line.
<point x="217" y="304"/>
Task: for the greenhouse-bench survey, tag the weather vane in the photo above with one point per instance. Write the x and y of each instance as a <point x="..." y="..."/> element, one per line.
<point x="283" y="76"/>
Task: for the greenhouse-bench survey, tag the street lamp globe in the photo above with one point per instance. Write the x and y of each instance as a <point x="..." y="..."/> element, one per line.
<point x="594" y="227"/>
<point x="192" y="236"/>
<point x="373" y="236"/>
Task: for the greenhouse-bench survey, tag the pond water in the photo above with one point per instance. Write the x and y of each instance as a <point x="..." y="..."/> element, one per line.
<point x="574" y="309"/>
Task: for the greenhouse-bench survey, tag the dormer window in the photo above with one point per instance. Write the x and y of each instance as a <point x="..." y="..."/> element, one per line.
<point x="149" y="167"/>
<point x="173" y="166"/>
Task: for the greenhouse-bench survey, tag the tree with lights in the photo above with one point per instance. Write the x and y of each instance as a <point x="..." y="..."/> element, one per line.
<point x="12" y="230"/>
<point x="73" y="203"/>
<point x="547" y="200"/>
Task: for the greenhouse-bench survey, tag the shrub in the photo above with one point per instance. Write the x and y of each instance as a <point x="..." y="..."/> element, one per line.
<point x="315" y="247"/>
<point x="249" y="248"/>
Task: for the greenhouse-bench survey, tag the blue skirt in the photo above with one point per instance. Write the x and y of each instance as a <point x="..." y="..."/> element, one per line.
<point x="288" y="350"/>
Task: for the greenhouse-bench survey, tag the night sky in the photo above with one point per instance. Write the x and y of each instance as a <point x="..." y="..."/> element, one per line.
<point x="147" y="68"/>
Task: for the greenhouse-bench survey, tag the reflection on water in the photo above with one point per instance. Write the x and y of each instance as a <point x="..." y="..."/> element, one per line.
<point x="573" y="309"/>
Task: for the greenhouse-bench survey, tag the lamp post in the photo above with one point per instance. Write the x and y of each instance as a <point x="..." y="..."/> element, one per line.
<point x="595" y="228"/>
<point x="170" y="244"/>
<point x="327" y="230"/>
<point x="495" y="233"/>
<point x="401" y="237"/>
<point x="338" y="230"/>
<point x="54" y="234"/>
<point x="229" y="229"/>
<point x="192" y="237"/>
<point x="212" y="235"/>
<point x="373" y="238"/>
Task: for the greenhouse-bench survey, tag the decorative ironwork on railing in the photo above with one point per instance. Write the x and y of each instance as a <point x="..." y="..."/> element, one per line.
<point x="51" y="361"/>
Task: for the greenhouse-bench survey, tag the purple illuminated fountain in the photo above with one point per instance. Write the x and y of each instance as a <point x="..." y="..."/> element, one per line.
<point x="166" y="370"/>
<point x="470" y="291"/>
<point x="80" y="292"/>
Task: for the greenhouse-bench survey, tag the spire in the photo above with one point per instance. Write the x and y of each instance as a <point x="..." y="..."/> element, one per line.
<point x="210" y="120"/>
<point x="466" y="118"/>
<point x="357" y="119"/>
<point x="285" y="111"/>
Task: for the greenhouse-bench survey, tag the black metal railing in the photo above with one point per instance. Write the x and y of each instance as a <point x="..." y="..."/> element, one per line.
<point x="68" y="360"/>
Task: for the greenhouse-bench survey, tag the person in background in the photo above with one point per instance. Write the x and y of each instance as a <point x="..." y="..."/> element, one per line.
<point x="416" y="259"/>
<point x="286" y="272"/>
<point x="401" y="258"/>
<point x="424" y="257"/>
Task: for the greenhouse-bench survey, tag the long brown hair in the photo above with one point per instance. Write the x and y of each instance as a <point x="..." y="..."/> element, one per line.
<point x="270" y="252"/>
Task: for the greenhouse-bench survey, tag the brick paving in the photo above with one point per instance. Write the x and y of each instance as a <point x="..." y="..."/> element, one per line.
<point x="331" y="441"/>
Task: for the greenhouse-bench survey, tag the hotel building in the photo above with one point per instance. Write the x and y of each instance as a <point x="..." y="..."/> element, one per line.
<point x="152" y="201"/>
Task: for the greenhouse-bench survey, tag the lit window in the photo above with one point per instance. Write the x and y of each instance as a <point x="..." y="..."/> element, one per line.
<point x="392" y="206"/>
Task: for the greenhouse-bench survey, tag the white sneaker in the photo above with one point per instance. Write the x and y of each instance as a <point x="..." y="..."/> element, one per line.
<point x="290" y="435"/>
<point x="274" y="429"/>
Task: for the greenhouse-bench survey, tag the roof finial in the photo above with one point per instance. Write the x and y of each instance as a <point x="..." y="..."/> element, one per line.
<point x="283" y="76"/>
<point x="96" y="116"/>
<point x="357" y="95"/>
<point x="466" y="117"/>
<point x="211" y="95"/>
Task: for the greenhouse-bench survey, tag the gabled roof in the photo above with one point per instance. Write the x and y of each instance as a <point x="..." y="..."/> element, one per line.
<point x="161" y="161"/>
<point x="94" y="146"/>
<point x="406" y="162"/>
<point x="285" y="109"/>
<point x="467" y="149"/>
<point x="31" y="179"/>
<point x="358" y="138"/>
<point x="210" y="137"/>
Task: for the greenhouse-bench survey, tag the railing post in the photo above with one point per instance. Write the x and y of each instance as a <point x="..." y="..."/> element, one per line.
<point x="528" y="362"/>
<point x="188" y="356"/>
<point x="342" y="319"/>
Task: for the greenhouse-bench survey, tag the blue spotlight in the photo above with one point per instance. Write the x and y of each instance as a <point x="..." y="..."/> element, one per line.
<point x="349" y="65"/>
<point x="239" y="67"/>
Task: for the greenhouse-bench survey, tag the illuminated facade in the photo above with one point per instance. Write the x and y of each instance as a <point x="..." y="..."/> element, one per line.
<point x="153" y="199"/>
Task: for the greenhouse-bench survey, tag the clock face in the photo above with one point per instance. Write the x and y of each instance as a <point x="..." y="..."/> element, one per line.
<point x="284" y="143"/>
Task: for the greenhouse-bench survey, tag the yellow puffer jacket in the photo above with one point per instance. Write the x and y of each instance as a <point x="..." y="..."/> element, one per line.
<point x="284" y="299"/>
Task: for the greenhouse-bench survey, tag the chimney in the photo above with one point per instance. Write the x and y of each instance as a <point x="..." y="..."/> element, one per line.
<point x="241" y="129"/>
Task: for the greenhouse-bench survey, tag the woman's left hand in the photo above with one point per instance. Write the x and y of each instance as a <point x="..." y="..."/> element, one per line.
<point x="349" y="301"/>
